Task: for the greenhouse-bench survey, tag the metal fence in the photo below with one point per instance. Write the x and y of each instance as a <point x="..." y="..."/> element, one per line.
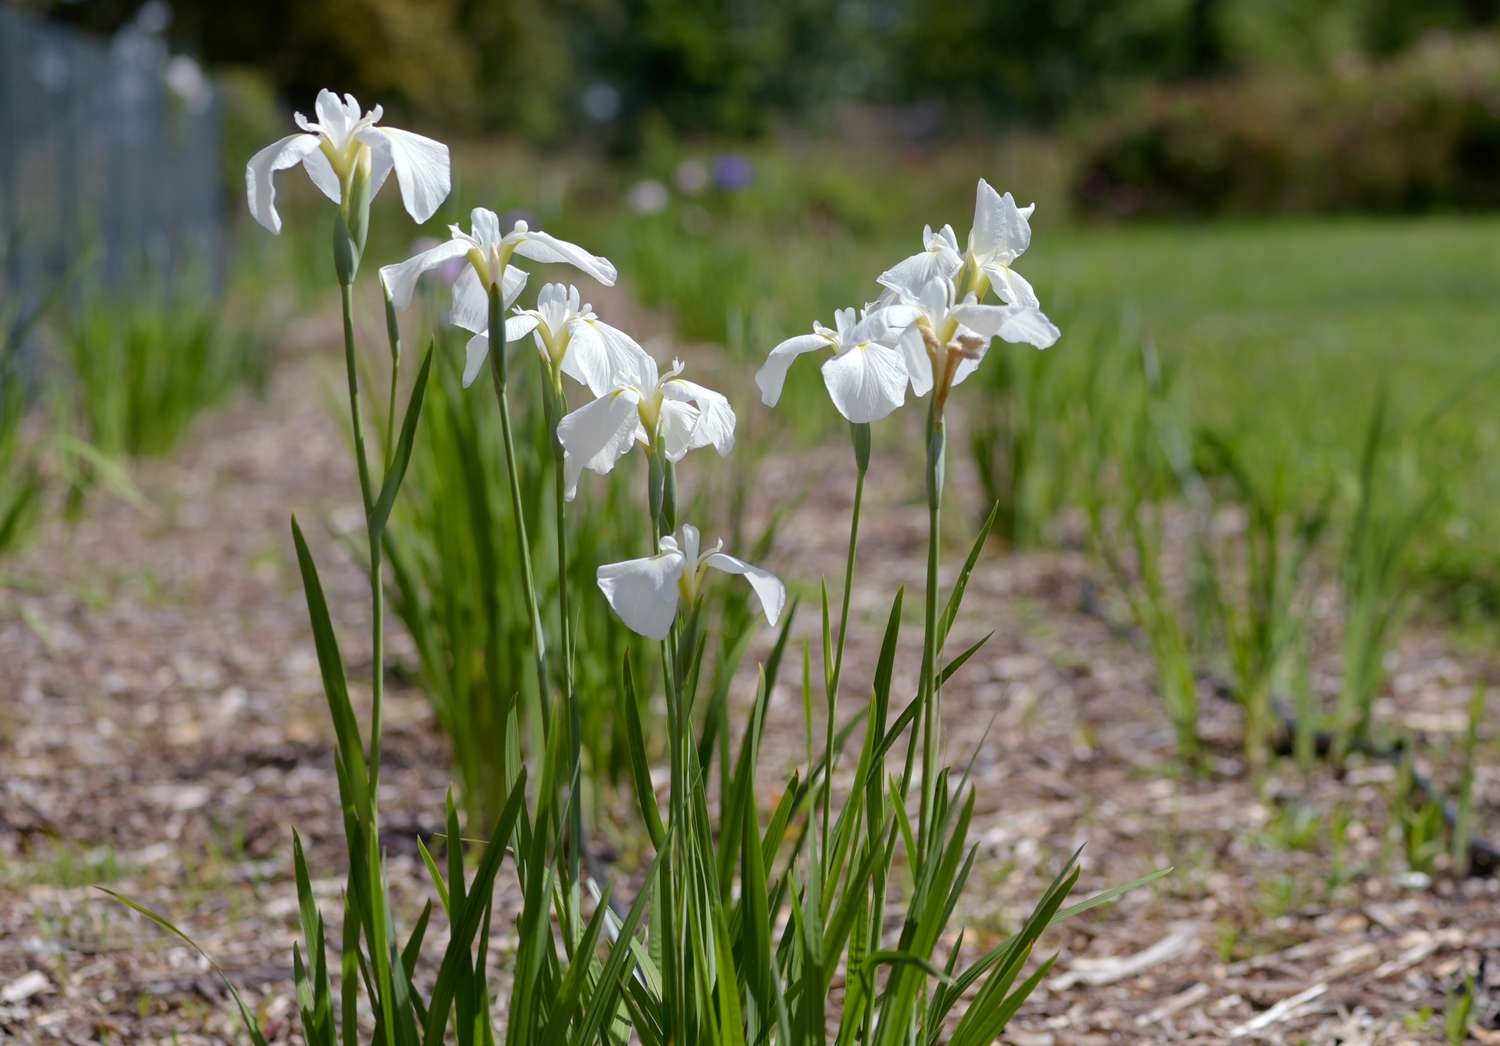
<point x="109" y="166"/>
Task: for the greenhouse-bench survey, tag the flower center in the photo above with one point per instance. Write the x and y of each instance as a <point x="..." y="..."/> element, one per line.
<point x="346" y="157"/>
<point x="557" y="344"/>
<point x="976" y="280"/>
<point x="649" y="409"/>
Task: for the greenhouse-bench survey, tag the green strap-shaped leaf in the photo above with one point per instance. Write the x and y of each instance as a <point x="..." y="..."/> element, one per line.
<point x="456" y="959"/>
<point x="251" y="1027"/>
<point x="958" y="662"/>
<point x="335" y="687"/>
<point x="392" y="482"/>
<point x="955" y="600"/>
<point x="640" y="767"/>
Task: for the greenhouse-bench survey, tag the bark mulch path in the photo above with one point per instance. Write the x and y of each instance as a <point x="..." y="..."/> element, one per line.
<point x="162" y="730"/>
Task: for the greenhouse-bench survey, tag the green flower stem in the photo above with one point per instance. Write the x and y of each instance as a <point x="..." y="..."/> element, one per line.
<point x="499" y="373"/>
<point x="673" y="669"/>
<point x="346" y="264"/>
<point x="861" y="437"/>
<point x="937" y="439"/>
<point x="661" y="498"/>
<point x="377" y="585"/>
<point x="555" y="405"/>
<point x="673" y="888"/>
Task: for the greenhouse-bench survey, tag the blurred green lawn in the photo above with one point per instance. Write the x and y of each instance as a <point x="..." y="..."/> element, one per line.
<point x="1286" y="332"/>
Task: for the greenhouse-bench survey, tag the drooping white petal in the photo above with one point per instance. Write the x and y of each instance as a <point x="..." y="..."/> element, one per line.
<point x="716" y="420"/>
<point x="1012" y="287"/>
<point x="1001" y="230"/>
<point x="260" y="188"/>
<point x="983" y="320"/>
<point x="323" y="175"/>
<point x="520" y="325"/>
<point x="471" y="302"/>
<point x="400" y="279"/>
<point x="675" y="426"/>
<point x="768" y="587"/>
<point x="471" y="298"/>
<point x="604" y="358"/>
<point x="542" y="247"/>
<point x="771" y="378"/>
<point x="475" y="351"/>
<point x="1029" y="327"/>
<point x="597" y="435"/>
<point x="966" y="366"/>
<point x="867" y="382"/>
<point x="918" y="363"/>
<point x="644" y="592"/>
<point x="893" y="310"/>
<point x="422" y="168"/>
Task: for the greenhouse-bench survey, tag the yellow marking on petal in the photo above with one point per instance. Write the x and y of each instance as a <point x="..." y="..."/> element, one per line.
<point x="481" y="267"/>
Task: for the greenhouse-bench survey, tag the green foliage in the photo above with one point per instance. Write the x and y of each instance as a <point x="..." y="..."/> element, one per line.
<point x="1149" y="461"/>
<point x="20" y="476"/>
<point x="1374" y="593"/>
<point x="1459" y="1012"/>
<point x="1463" y="821"/>
<point x="1051" y="426"/>
<point x="453" y="567"/>
<point x="1417" y="818"/>
<point x="720" y="67"/>
<point x="1257" y="589"/>
<point x="1415" y="133"/>
<point x="136" y="373"/>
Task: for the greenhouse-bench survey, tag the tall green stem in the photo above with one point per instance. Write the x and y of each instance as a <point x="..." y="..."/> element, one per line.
<point x="660" y="499"/>
<point x="346" y="254"/>
<point x="377" y="585"/>
<point x="499" y="373"/>
<point x="929" y="687"/>
<point x="862" y="464"/>
<point x="555" y="406"/>
<point x="861" y="436"/>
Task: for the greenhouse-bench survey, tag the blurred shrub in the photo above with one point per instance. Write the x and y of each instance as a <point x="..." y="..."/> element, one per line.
<point x="1420" y="132"/>
<point x="251" y="117"/>
<point x="607" y="71"/>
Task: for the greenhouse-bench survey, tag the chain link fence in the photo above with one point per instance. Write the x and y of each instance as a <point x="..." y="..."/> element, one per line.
<point x="109" y="167"/>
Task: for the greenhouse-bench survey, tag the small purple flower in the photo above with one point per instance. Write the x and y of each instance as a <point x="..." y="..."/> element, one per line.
<point x="733" y="172"/>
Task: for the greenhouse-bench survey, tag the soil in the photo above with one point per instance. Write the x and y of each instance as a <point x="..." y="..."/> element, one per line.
<point x="163" y="730"/>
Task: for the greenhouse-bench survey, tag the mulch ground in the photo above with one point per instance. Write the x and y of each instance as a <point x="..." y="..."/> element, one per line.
<point x="162" y="730"/>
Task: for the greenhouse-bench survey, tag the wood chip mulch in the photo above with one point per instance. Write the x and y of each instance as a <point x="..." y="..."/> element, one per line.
<point x="162" y="731"/>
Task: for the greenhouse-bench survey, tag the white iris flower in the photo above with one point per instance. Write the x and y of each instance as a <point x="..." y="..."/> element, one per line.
<point x="343" y="139"/>
<point x="866" y="377"/>
<point x="573" y="340"/>
<point x="660" y="411"/>
<point x="646" y="593"/>
<point x="1000" y="235"/>
<point x="488" y="253"/>
<point x="951" y="332"/>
